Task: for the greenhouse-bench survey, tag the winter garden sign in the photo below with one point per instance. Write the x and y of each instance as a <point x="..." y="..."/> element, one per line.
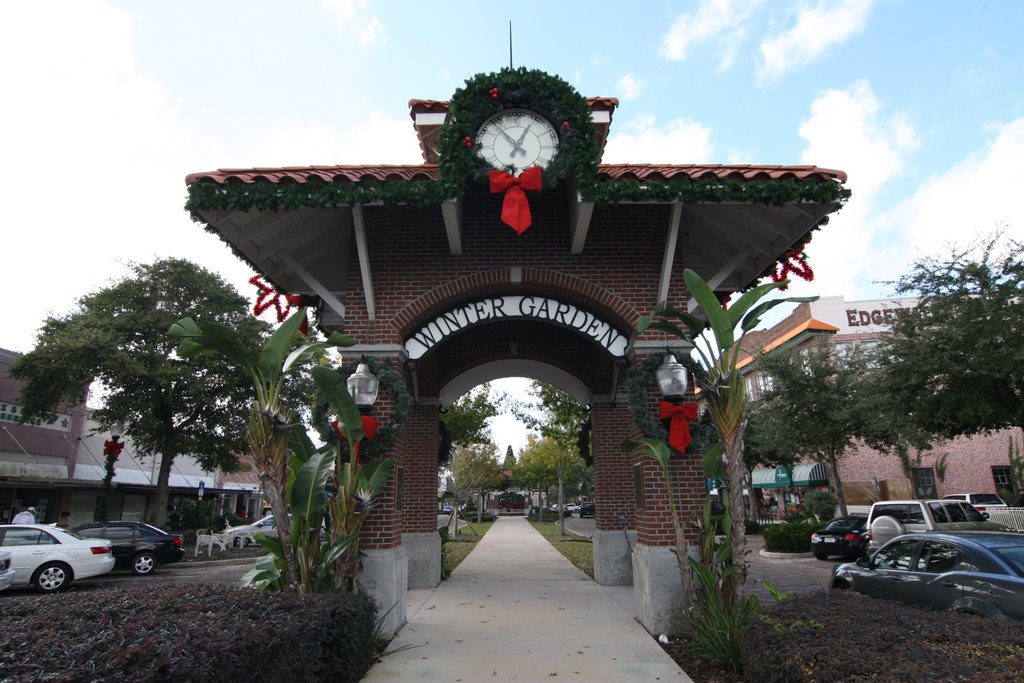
<point x="511" y="307"/>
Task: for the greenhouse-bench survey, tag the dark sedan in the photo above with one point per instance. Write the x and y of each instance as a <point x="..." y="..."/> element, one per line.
<point x="843" y="536"/>
<point x="969" y="571"/>
<point x="586" y="509"/>
<point x="137" y="546"/>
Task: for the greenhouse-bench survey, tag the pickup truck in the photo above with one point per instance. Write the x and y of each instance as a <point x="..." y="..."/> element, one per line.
<point x="891" y="518"/>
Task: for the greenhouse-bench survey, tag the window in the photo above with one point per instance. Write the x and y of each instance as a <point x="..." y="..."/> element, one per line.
<point x="1001" y="477"/>
<point x="896" y="556"/>
<point x="750" y="386"/>
<point x="17" y="537"/>
<point x="924" y="482"/>
<point x="939" y="512"/>
<point x="765" y="383"/>
<point x="938" y="557"/>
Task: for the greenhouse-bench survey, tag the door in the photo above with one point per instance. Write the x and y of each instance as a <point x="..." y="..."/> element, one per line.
<point x="890" y="570"/>
<point x="29" y="548"/>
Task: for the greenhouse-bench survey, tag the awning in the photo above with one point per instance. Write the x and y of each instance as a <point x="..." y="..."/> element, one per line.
<point x="777" y="478"/>
<point x="812" y="474"/>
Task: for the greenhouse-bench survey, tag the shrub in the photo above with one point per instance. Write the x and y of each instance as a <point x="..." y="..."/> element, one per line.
<point x="846" y="636"/>
<point x="186" y="633"/>
<point x="751" y="527"/>
<point x="791" y="537"/>
<point x="821" y="504"/>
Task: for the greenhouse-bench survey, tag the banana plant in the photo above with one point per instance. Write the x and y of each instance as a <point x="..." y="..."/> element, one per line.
<point x="270" y="425"/>
<point x="721" y="385"/>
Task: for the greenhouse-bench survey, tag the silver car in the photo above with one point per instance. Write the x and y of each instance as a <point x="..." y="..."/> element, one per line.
<point x="981" y="572"/>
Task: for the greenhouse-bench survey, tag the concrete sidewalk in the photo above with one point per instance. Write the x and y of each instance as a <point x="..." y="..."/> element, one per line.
<point x="516" y="610"/>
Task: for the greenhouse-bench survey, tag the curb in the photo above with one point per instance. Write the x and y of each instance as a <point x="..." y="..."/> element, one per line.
<point x="192" y="563"/>
<point x="785" y="556"/>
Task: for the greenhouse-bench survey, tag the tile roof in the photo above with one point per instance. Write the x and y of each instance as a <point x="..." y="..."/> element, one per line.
<point x="653" y="172"/>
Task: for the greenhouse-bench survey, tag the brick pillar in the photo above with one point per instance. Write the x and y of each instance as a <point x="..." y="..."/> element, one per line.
<point x="614" y="504"/>
<point x="419" y="495"/>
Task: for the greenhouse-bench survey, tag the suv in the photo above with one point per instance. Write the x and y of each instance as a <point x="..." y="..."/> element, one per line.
<point x="979" y="500"/>
<point x="891" y="518"/>
<point x="136" y="545"/>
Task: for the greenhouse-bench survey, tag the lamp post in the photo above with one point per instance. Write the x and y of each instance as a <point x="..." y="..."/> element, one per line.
<point x="672" y="377"/>
<point x="111" y="449"/>
<point x="362" y="387"/>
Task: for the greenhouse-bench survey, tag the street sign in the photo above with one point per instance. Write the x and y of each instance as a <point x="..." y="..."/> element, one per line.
<point x="202" y="489"/>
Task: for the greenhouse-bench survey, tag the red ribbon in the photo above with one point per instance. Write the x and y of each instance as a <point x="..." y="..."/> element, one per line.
<point x="370" y="426"/>
<point x="679" y="429"/>
<point x="113" y="448"/>
<point x="269" y="296"/>
<point x="515" y="209"/>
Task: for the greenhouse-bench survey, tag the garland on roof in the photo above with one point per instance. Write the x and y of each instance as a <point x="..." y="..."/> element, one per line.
<point x="487" y="94"/>
<point x="389" y="430"/>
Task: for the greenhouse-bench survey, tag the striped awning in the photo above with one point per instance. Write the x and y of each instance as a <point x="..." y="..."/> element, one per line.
<point x="810" y="474"/>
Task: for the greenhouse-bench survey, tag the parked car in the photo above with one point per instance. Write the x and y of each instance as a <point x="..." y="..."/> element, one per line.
<point x="891" y="518"/>
<point x="586" y="510"/>
<point x="572" y="508"/>
<point x="843" y="536"/>
<point x="244" y="532"/>
<point x="969" y="571"/>
<point x="137" y="545"/>
<point x="49" y="558"/>
<point x="980" y="501"/>
<point x="6" y="571"/>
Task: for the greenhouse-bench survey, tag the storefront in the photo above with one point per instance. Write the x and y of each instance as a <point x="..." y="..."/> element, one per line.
<point x="791" y="483"/>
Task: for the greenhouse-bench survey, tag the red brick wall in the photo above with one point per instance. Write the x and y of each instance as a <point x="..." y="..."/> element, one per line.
<point x="419" y="461"/>
<point x="614" y="505"/>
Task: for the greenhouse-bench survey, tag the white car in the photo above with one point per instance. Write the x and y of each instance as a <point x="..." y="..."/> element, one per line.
<point x="6" y="573"/>
<point x="979" y="500"/>
<point x="49" y="559"/>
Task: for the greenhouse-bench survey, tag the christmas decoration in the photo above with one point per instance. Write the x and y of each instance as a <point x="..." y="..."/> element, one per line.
<point x="268" y="297"/>
<point x="793" y="261"/>
<point x="515" y="208"/>
<point x="469" y="141"/>
<point x="638" y="380"/>
<point x="680" y="417"/>
<point x="494" y="93"/>
<point x="370" y="425"/>
<point x="386" y="434"/>
<point x="113" y="448"/>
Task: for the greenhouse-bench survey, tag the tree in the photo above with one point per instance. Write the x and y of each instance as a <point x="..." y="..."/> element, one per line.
<point x="118" y="336"/>
<point x="725" y="397"/>
<point x="818" y="405"/>
<point x="475" y="471"/>
<point x="957" y="357"/>
<point x="561" y="417"/>
<point x="466" y="419"/>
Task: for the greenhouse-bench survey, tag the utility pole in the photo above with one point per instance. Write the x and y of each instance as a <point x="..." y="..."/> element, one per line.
<point x="561" y="498"/>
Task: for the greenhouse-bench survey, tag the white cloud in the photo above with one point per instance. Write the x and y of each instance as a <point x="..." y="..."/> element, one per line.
<point x="630" y="87"/>
<point x="714" y="20"/>
<point x="975" y="197"/>
<point x="850" y="130"/>
<point x="640" y="141"/>
<point x="816" y="29"/>
<point x="350" y="19"/>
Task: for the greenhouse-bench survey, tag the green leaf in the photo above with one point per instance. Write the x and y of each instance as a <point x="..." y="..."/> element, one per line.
<point x="274" y="352"/>
<point x="695" y="324"/>
<point x="302" y="446"/>
<point x="338" y="547"/>
<point x="375" y="475"/>
<point x="739" y="308"/>
<point x="753" y="319"/>
<point x="658" y="450"/>
<point x="184" y="328"/>
<point x="331" y="386"/>
<point x="712" y="463"/>
<point x="308" y="490"/>
<point x="720" y="323"/>
<point x="214" y="337"/>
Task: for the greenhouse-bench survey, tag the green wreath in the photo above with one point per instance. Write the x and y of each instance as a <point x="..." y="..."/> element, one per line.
<point x="389" y="430"/>
<point x="638" y="379"/>
<point x="486" y="94"/>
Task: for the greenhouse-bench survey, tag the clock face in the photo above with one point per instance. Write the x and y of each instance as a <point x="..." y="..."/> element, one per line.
<point x="517" y="139"/>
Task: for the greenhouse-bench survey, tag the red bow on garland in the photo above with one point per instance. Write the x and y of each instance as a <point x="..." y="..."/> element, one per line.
<point x="370" y="426"/>
<point x="113" y="448"/>
<point x="679" y="428"/>
<point x="515" y="209"/>
<point x="268" y="297"/>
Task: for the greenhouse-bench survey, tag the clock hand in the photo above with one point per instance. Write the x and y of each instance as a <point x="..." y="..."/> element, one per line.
<point x="519" y="142"/>
<point x="515" y="145"/>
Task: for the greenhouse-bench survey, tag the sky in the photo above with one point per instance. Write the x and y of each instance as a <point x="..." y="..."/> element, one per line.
<point x="109" y="105"/>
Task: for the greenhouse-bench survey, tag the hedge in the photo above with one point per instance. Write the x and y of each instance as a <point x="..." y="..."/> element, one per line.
<point x="791" y="537"/>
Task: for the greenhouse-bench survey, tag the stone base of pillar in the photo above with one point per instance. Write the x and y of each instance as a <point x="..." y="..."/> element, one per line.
<point x="384" y="577"/>
<point x="657" y="588"/>
<point x="424" y="549"/>
<point x="612" y="564"/>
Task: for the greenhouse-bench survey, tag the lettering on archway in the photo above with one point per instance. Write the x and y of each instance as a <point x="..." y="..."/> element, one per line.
<point x="512" y="307"/>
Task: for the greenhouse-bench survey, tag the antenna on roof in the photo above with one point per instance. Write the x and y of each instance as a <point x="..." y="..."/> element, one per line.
<point x="509" y="43"/>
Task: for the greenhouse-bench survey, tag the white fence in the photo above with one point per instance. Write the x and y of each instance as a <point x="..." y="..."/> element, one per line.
<point x="1011" y="517"/>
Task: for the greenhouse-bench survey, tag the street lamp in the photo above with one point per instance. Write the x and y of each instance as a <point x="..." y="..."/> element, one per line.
<point x="671" y="375"/>
<point x="111" y="450"/>
<point x="362" y="387"/>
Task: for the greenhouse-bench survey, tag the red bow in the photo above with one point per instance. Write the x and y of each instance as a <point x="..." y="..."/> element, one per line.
<point x="370" y="426"/>
<point x="679" y="429"/>
<point x="113" y="448"/>
<point x="515" y="210"/>
<point x="268" y="297"/>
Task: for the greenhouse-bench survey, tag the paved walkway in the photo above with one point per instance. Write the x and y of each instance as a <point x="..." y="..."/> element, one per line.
<point x="516" y="610"/>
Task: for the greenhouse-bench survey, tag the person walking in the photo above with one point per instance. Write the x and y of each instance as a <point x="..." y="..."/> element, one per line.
<point x="25" y="517"/>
